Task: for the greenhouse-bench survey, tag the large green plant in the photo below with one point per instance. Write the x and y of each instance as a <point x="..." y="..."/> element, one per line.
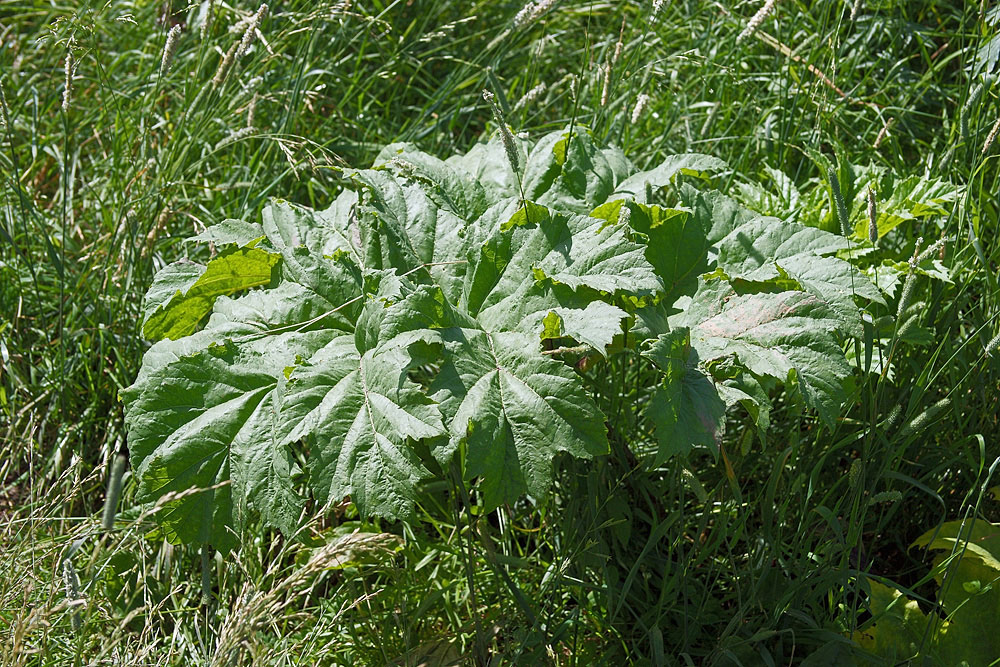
<point x="424" y="324"/>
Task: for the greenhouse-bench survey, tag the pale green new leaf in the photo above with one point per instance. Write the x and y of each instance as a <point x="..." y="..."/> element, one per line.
<point x="183" y="293"/>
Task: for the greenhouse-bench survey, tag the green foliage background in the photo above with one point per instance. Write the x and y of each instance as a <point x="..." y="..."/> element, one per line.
<point x="759" y="556"/>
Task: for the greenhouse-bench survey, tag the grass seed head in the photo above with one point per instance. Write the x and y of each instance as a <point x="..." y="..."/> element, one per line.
<point x="233" y="137"/>
<point x="640" y="106"/>
<point x="67" y="98"/>
<point x="252" y="27"/>
<point x="531" y="12"/>
<point x="169" y="49"/>
<point x="992" y="346"/>
<point x="991" y="136"/>
<point x="906" y="297"/>
<point x="931" y="250"/>
<point x="921" y="421"/>
<point x="883" y="133"/>
<point x="756" y="20"/>
<point x="854" y="474"/>
<point x="252" y="110"/>
<point x="114" y="492"/>
<point x="886" y="497"/>
<point x="206" y="24"/>
<point x="224" y="65"/>
<point x="72" y="586"/>
<point x="506" y="137"/>
<point x="531" y="96"/>
<point x="3" y="106"/>
<point x="838" y="198"/>
<point x="521" y="18"/>
<point x="619" y="45"/>
<point x="606" y="87"/>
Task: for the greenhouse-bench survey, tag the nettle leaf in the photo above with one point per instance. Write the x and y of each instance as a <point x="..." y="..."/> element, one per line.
<point x="419" y="323"/>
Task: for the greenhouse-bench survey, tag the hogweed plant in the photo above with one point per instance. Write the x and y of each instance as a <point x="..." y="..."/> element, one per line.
<point x="439" y="319"/>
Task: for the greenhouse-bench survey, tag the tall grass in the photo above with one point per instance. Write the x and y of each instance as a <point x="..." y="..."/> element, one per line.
<point x="754" y="559"/>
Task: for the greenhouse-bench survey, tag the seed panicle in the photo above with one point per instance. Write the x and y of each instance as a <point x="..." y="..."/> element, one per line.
<point x="972" y="104"/>
<point x="233" y="137"/>
<point x="3" y="106"/>
<point x="206" y="25"/>
<point x="224" y="65"/>
<point x="838" y="198"/>
<point x="114" y="493"/>
<point x="883" y="133"/>
<point x="991" y="136"/>
<point x="72" y="587"/>
<point x="252" y="26"/>
<point x="606" y="86"/>
<point x="67" y="98"/>
<point x="252" y="110"/>
<point x="169" y="49"/>
<point x="921" y="421"/>
<point x="530" y="96"/>
<point x="756" y="20"/>
<point x="992" y="346"/>
<point x="640" y="106"/>
<point x="531" y="12"/>
<point x="509" y="146"/>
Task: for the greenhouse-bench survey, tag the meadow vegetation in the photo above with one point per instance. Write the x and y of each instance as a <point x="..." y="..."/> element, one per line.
<point x="844" y="511"/>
